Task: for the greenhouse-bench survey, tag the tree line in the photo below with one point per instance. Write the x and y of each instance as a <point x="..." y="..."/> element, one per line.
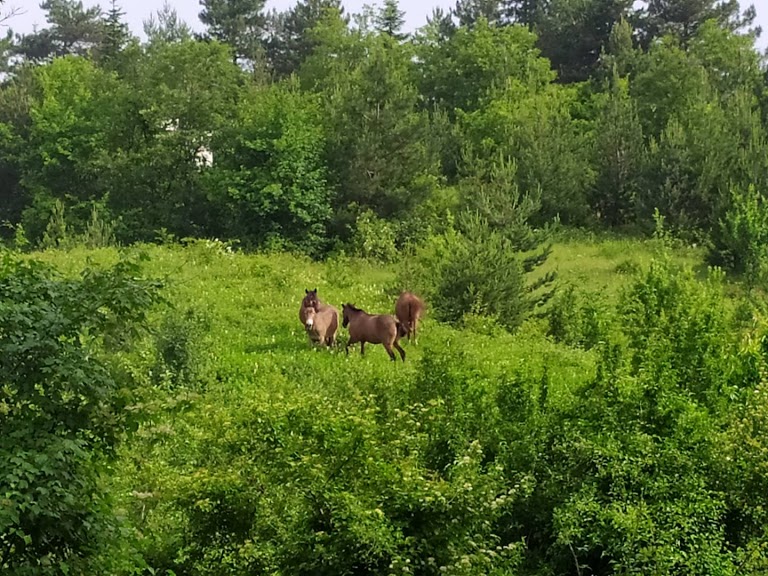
<point x="331" y="130"/>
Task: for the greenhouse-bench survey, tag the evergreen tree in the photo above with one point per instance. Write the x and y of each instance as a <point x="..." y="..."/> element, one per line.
<point x="440" y="26"/>
<point x="619" y="156"/>
<point x="572" y="34"/>
<point x="620" y="55"/>
<point x="390" y="20"/>
<point x="468" y="12"/>
<point x="239" y="23"/>
<point x="682" y="18"/>
<point x="116" y="34"/>
<point x="290" y="41"/>
<point x="166" y="26"/>
<point x="72" y="29"/>
<point x="525" y="12"/>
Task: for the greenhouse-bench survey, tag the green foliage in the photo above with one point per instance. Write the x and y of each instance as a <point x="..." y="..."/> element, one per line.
<point x="180" y="348"/>
<point x="270" y="175"/>
<point x="73" y="30"/>
<point x="165" y="26"/>
<point x="572" y="33"/>
<point x="375" y="238"/>
<point x="381" y="152"/>
<point x="179" y="96"/>
<point x="487" y="58"/>
<point x="620" y="157"/>
<point x="741" y="242"/>
<point x="640" y="447"/>
<point x="291" y="39"/>
<point x="70" y="130"/>
<point x="579" y="318"/>
<point x="99" y="232"/>
<point x="479" y="271"/>
<point x="390" y="20"/>
<point x="61" y="403"/>
<point x="56" y="234"/>
<point x="237" y="23"/>
<point x="536" y="128"/>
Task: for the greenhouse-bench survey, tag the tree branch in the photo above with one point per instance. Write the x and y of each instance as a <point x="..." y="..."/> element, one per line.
<point x="14" y="11"/>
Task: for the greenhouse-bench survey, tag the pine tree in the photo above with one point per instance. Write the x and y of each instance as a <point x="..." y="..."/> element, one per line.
<point x="240" y="23"/>
<point x="166" y="26"/>
<point x="290" y="39"/>
<point x="116" y="34"/>
<point x="573" y="33"/>
<point x="525" y="12"/>
<point x="467" y="12"/>
<point x="682" y="18"/>
<point x="440" y="25"/>
<point x="390" y="20"/>
<point x="620" y="156"/>
<point x="72" y="29"/>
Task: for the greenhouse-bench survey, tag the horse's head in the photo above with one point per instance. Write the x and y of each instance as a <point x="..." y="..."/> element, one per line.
<point x="310" y="299"/>
<point x="309" y="315"/>
<point x="346" y="310"/>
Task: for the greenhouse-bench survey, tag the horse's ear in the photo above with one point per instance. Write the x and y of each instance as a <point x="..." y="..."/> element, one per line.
<point x="306" y="291"/>
<point x="315" y="290"/>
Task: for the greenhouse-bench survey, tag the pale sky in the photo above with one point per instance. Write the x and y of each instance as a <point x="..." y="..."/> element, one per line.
<point x="138" y="10"/>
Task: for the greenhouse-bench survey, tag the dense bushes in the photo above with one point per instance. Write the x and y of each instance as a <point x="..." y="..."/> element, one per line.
<point x="62" y="407"/>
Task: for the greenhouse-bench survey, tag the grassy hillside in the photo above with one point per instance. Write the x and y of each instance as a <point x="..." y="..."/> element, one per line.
<point x="485" y="453"/>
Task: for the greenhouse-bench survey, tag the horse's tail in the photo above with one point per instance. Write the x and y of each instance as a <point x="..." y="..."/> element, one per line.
<point x="401" y="331"/>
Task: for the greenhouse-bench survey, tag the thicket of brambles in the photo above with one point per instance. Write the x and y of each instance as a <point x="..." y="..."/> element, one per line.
<point x="182" y="427"/>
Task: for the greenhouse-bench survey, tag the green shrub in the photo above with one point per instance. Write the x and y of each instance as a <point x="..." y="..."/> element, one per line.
<point x="375" y="237"/>
<point x="180" y="347"/>
<point x="741" y="241"/>
<point x="578" y="319"/>
<point x="479" y="271"/>
<point x="61" y="406"/>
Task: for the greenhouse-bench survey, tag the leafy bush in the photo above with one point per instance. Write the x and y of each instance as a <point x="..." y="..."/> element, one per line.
<point x="374" y="237"/>
<point x="305" y="483"/>
<point x="478" y="271"/>
<point x="741" y="242"/>
<point x="637" y="452"/>
<point x="61" y="404"/>
<point x="180" y="347"/>
<point x="579" y="319"/>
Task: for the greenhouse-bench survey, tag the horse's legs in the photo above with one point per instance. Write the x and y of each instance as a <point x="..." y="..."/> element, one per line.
<point x="349" y="343"/>
<point x="389" y="351"/>
<point x="396" y="344"/>
<point x="415" y="337"/>
<point x="362" y="348"/>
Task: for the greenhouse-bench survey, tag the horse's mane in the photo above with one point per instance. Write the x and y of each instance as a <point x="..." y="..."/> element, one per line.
<point x="354" y="308"/>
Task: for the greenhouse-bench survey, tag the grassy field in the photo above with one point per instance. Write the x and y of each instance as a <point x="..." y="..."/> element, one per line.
<point x="253" y="338"/>
<point x="251" y="301"/>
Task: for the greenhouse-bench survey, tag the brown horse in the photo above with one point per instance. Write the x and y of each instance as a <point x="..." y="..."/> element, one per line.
<point x="408" y="309"/>
<point x="322" y="325"/>
<point x="374" y="328"/>
<point x="310" y="301"/>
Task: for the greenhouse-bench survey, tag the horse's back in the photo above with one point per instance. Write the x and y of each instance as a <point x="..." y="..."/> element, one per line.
<point x="330" y="314"/>
<point x="386" y="326"/>
<point x="408" y="307"/>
